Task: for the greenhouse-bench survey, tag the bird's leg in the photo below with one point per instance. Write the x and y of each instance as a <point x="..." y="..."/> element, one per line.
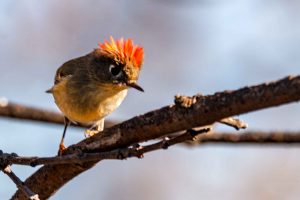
<point x="61" y="144"/>
<point x="96" y="128"/>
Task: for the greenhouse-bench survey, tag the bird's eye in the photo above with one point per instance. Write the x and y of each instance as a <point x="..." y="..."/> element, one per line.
<point x="115" y="70"/>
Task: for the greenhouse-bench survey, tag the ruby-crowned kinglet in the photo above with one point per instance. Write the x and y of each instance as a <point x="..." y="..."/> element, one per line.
<point x="88" y="88"/>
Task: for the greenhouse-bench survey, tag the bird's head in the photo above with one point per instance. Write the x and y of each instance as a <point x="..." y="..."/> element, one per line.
<point x="118" y="62"/>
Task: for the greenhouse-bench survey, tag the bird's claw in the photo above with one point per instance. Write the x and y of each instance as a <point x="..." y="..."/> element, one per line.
<point x="90" y="132"/>
<point x="61" y="149"/>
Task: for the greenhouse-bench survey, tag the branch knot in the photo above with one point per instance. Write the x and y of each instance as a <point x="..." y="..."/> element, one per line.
<point x="186" y="101"/>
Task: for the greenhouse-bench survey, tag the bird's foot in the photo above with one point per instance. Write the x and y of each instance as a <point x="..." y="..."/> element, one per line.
<point x="96" y="128"/>
<point x="61" y="149"/>
<point x="90" y="132"/>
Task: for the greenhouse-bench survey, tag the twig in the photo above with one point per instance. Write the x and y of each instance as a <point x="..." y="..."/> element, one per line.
<point x="20" y="185"/>
<point x="80" y="157"/>
<point x="250" y="137"/>
<point x="13" y="110"/>
<point x="204" y="111"/>
<point x="189" y="138"/>
<point x="234" y="122"/>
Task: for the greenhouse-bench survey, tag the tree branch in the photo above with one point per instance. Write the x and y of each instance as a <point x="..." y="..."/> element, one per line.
<point x="20" y="185"/>
<point x="13" y="110"/>
<point x="118" y="154"/>
<point x="204" y="110"/>
<point x="249" y="137"/>
<point x="189" y="138"/>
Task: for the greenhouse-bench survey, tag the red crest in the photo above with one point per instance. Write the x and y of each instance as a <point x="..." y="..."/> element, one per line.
<point x="124" y="51"/>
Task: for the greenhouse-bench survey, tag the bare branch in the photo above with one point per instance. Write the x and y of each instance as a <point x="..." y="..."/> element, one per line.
<point x="204" y="111"/>
<point x="20" y="185"/>
<point x="80" y="157"/>
<point x="250" y="137"/>
<point x="190" y="137"/>
<point x="13" y="110"/>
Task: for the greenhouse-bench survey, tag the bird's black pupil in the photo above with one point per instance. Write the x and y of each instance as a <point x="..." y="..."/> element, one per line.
<point x="115" y="70"/>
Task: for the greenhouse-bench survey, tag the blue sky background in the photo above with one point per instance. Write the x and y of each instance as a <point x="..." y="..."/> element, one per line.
<point x="190" y="47"/>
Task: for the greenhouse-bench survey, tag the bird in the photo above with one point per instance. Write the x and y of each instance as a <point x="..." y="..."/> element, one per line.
<point x="88" y="88"/>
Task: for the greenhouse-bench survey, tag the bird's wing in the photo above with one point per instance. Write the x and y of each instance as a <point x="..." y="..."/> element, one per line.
<point x="64" y="71"/>
<point x="69" y="68"/>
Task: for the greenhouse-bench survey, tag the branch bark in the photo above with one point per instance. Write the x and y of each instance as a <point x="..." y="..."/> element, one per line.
<point x="249" y="137"/>
<point x="203" y="110"/>
<point x="22" y="187"/>
<point x="190" y="138"/>
<point x="118" y="154"/>
<point x="13" y="110"/>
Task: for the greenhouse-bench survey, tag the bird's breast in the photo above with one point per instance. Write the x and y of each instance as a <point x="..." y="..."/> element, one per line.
<point x="110" y="103"/>
<point x="88" y="106"/>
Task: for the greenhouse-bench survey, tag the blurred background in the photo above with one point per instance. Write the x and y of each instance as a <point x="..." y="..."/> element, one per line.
<point x="190" y="46"/>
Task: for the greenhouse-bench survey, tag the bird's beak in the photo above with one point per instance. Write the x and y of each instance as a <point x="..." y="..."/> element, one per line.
<point x="135" y="86"/>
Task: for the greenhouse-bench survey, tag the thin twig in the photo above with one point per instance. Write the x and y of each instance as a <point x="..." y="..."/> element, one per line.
<point x="234" y="122"/>
<point x="80" y="157"/>
<point x="189" y="135"/>
<point x="20" y="185"/>
<point x="13" y="110"/>
<point x="189" y="138"/>
<point x="250" y="137"/>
